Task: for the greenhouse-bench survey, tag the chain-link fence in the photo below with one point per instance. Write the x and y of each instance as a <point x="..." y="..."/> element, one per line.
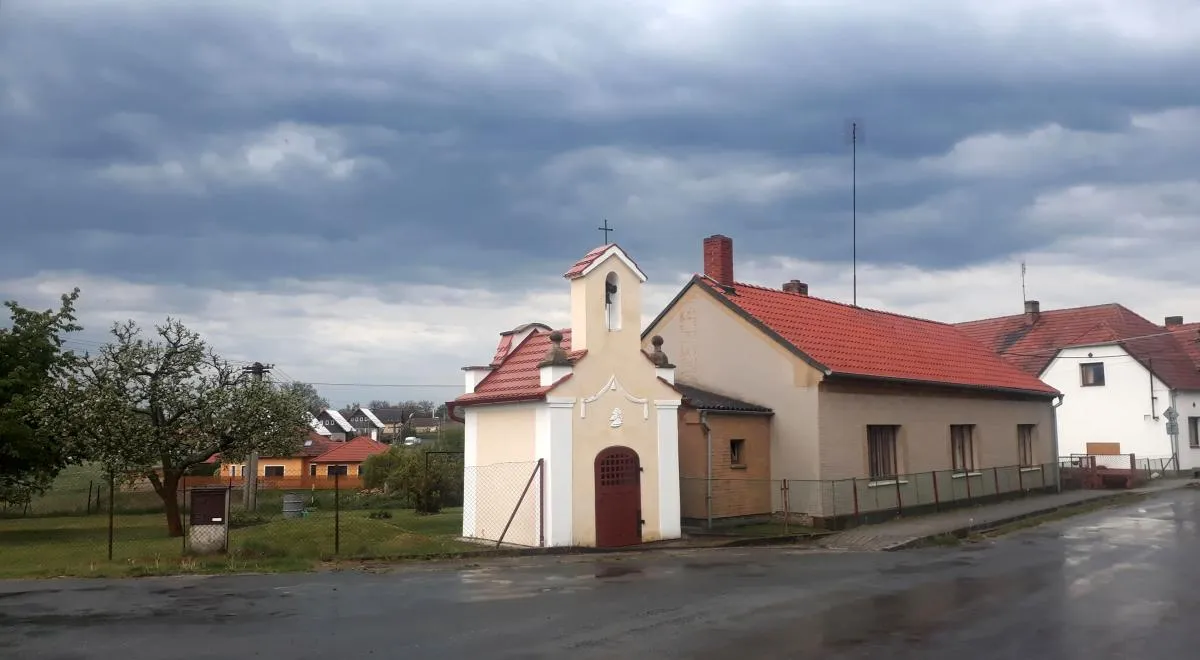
<point x="791" y="506"/>
<point x="91" y="523"/>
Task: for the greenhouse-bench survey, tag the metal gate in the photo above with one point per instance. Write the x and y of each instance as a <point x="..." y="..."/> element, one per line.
<point x="618" y="498"/>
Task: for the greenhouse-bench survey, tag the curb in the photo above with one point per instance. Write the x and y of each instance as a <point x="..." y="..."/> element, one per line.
<point x="962" y="531"/>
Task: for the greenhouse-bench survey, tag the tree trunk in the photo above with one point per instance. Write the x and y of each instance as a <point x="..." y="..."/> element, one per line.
<point x="168" y="491"/>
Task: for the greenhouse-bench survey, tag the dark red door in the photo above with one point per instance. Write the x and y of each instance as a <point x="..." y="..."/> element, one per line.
<point x="618" y="498"/>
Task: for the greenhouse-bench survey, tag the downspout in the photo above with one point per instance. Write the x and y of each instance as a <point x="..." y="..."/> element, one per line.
<point x="1150" y="368"/>
<point x="1054" y="442"/>
<point x="1175" y="437"/>
<point x="708" y="469"/>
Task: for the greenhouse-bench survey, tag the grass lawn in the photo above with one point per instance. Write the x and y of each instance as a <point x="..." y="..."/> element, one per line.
<point x="78" y="545"/>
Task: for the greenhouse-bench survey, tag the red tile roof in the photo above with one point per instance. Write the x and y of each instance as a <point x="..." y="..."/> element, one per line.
<point x="854" y="341"/>
<point x="586" y="261"/>
<point x="590" y="258"/>
<point x="1032" y="346"/>
<point x="1188" y="335"/>
<point x="517" y="377"/>
<point x="351" y="451"/>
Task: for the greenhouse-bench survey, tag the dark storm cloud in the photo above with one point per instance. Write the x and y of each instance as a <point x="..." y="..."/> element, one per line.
<point x="129" y="133"/>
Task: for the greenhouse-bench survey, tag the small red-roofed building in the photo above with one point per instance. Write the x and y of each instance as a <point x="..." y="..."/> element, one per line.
<point x="571" y="435"/>
<point x="857" y="393"/>
<point x="346" y="458"/>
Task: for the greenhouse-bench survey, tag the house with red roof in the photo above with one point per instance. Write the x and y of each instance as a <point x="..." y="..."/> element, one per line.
<point x="581" y="417"/>
<point x="857" y="393"/>
<point x="315" y="463"/>
<point x="1123" y="377"/>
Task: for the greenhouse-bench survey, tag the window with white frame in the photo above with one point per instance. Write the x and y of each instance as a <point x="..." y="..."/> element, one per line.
<point x="1194" y="431"/>
<point x="962" y="447"/>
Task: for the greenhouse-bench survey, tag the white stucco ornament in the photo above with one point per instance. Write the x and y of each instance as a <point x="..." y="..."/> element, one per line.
<point x="613" y="386"/>
<point x="616" y="419"/>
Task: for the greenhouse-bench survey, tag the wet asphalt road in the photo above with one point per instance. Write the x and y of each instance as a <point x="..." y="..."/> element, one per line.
<point x="1119" y="583"/>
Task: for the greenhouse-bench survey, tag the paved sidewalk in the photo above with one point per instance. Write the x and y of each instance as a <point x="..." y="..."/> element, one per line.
<point x="905" y="532"/>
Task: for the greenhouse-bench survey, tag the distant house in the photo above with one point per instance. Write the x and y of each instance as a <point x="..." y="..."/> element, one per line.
<point x="346" y="458"/>
<point x="317" y="460"/>
<point x="317" y="426"/>
<point x="296" y="466"/>
<point x="392" y="419"/>
<point x="424" y="424"/>
<point x="366" y="423"/>
<point x="338" y="426"/>
<point x="1120" y="373"/>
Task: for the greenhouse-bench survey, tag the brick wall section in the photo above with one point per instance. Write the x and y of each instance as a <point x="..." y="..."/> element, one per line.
<point x="718" y="258"/>
<point x="737" y="491"/>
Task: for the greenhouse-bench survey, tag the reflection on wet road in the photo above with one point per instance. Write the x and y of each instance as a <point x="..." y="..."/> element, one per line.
<point x="1120" y="583"/>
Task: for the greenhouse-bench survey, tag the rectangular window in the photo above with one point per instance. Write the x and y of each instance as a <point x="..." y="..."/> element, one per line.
<point x="312" y="470"/>
<point x="881" y="451"/>
<point x="737" y="453"/>
<point x="337" y="470"/>
<point x="1194" y="431"/>
<point x="1025" y="444"/>
<point x="359" y="471"/>
<point x="273" y="471"/>
<point x="962" y="447"/>
<point x="233" y="470"/>
<point x="1091" y="374"/>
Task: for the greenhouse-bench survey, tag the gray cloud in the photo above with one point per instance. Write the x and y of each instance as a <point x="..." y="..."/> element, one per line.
<point x="234" y="144"/>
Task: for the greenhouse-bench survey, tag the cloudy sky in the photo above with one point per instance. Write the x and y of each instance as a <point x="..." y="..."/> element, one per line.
<point x="368" y="191"/>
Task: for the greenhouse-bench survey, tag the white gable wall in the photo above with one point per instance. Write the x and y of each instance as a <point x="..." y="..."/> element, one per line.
<point x="1119" y="411"/>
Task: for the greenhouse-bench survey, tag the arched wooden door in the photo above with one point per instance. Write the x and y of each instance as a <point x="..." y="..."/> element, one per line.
<point x="618" y="498"/>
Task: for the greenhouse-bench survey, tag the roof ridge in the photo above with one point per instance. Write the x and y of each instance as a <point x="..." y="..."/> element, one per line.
<point x="833" y="302"/>
<point x="1047" y="311"/>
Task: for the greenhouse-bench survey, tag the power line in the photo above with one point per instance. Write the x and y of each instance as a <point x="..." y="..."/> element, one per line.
<point x="382" y="385"/>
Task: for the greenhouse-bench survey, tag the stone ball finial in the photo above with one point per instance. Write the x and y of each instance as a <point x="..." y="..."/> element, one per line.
<point x="556" y="337"/>
<point x="557" y="355"/>
<point x="657" y="356"/>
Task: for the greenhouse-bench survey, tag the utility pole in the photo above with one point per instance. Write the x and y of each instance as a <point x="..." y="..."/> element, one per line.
<point x="250" y="473"/>
<point x="855" y="138"/>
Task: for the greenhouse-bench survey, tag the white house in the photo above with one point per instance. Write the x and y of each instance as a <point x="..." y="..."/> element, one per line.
<point x="1122" y="377"/>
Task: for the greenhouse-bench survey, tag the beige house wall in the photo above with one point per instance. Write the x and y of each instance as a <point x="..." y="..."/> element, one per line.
<point x="924" y="415"/>
<point x="716" y="349"/>
<point x="504" y="460"/>
<point x="743" y="489"/>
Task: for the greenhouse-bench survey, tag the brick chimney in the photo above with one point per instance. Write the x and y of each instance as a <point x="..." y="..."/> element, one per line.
<point x="1174" y="321"/>
<point x="718" y="259"/>
<point x="796" y="286"/>
<point x="1033" y="309"/>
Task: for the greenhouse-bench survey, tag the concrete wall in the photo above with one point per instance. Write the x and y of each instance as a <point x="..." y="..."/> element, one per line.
<point x="1120" y="411"/>
<point x="716" y="349"/>
<point x="737" y="490"/>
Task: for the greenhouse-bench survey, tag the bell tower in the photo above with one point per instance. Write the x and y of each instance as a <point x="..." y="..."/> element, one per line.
<point x="606" y="300"/>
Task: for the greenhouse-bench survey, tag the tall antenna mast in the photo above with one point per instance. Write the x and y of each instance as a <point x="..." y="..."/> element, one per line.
<point x="856" y="136"/>
<point x="1024" y="298"/>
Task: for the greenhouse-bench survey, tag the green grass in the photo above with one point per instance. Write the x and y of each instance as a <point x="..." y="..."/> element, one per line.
<point x="78" y="545"/>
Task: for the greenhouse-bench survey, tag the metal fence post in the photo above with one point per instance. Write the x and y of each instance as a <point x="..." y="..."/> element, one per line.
<point x="112" y="480"/>
<point x="899" y="501"/>
<point x="996" y="479"/>
<point x="337" y="513"/>
<point x="937" y="500"/>
<point x="854" y="488"/>
<point x="787" y="509"/>
<point x="183" y="518"/>
<point x="1021" y="481"/>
